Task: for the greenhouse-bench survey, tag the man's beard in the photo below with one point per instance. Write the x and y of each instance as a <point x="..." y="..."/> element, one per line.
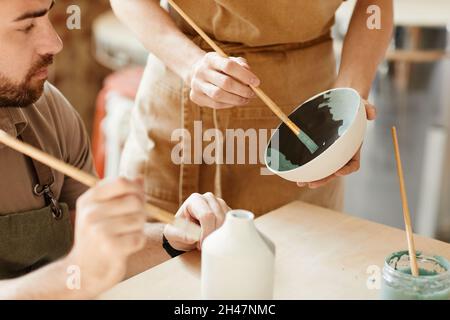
<point x="28" y="91"/>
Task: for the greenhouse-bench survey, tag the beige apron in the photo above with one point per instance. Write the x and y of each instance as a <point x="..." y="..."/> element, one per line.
<point x="287" y="44"/>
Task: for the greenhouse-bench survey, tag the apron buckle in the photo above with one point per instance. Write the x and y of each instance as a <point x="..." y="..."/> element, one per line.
<point x="38" y="190"/>
<point x="50" y="198"/>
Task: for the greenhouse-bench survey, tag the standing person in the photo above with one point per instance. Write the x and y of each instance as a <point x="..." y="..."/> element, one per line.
<point x="283" y="46"/>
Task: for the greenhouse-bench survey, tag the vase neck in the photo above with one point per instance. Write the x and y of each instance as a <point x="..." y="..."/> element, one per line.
<point x="239" y="219"/>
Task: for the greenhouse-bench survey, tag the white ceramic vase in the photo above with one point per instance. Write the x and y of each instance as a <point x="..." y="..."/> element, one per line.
<point x="238" y="261"/>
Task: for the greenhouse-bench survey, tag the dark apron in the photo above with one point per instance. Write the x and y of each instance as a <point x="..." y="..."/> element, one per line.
<point x="32" y="239"/>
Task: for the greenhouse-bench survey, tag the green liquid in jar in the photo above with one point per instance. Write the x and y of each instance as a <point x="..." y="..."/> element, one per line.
<point x="433" y="282"/>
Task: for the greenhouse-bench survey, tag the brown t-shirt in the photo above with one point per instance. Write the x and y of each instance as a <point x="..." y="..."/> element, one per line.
<point x="61" y="133"/>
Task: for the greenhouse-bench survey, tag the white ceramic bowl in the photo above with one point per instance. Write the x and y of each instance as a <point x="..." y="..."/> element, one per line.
<point x="335" y="120"/>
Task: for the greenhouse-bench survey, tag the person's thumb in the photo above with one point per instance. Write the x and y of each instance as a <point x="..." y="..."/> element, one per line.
<point x="371" y="111"/>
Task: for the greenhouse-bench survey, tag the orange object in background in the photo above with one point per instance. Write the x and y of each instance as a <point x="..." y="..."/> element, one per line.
<point x="124" y="82"/>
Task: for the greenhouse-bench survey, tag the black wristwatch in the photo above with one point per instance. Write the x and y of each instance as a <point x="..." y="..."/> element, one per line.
<point x="169" y="249"/>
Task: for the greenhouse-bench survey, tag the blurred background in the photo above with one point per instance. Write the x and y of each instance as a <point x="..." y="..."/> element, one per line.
<point x="101" y="65"/>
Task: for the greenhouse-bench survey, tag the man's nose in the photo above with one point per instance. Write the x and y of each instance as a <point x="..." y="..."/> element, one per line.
<point x="50" y="42"/>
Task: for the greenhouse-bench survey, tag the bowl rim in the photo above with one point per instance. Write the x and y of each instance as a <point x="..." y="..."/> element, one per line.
<point x="329" y="147"/>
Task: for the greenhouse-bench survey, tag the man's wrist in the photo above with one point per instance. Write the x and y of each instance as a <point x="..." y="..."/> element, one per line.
<point x="78" y="281"/>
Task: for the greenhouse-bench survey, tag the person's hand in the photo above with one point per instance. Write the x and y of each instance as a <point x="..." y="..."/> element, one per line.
<point x="207" y="210"/>
<point x="108" y="229"/>
<point x="219" y="83"/>
<point x="352" y="166"/>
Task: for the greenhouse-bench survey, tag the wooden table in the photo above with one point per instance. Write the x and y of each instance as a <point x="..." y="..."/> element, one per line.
<point x="321" y="254"/>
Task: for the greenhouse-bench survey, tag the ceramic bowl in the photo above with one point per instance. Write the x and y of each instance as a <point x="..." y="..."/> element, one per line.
<point x="335" y="120"/>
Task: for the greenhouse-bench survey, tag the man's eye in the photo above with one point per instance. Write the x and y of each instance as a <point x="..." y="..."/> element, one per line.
<point x="28" y="29"/>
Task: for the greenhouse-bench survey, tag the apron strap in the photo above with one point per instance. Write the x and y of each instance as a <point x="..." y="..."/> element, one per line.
<point x="219" y="157"/>
<point x="43" y="174"/>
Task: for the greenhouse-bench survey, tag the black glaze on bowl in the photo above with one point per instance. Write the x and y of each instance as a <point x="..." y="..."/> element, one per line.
<point x="315" y="117"/>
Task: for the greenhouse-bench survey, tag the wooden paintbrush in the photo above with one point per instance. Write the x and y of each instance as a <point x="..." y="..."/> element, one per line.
<point x="304" y="138"/>
<point x="406" y="216"/>
<point x="153" y="212"/>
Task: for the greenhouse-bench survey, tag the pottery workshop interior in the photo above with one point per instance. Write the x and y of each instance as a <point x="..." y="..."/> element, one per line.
<point x="187" y="150"/>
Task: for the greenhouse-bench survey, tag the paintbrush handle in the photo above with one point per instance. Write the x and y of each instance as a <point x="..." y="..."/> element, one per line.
<point x="406" y="215"/>
<point x="202" y="34"/>
<point x="276" y="109"/>
<point x="73" y="172"/>
<point x="260" y="93"/>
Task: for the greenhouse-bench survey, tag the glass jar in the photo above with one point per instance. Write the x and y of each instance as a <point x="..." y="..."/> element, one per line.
<point x="433" y="282"/>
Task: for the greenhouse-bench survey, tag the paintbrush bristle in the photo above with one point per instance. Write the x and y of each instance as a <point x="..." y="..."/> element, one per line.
<point x="308" y="142"/>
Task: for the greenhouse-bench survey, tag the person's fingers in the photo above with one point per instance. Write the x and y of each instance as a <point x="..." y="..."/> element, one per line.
<point x="224" y="205"/>
<point x="352" y="166"/>
<point x="208" y="210"/>
<point x="106" y="190"/>
<point x="198" y="208"/>
<point x="125" y="205"/>
<point x="140" y="180"/>
<point x="234" y="69"/>
<point x="220" y="95"/>
<point x="216" y="209"/>
<point x="321" y="183"/>
<point x="242" y="61"/>
<point x="129" y="243"/>
<point x="349" y="168"/>
<point x="229" y="84"/>
<point x="371" y="111"/>
<point x="179" y="239"/>
<point x="121" y="225"/>
<point x="204" y="101"/>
